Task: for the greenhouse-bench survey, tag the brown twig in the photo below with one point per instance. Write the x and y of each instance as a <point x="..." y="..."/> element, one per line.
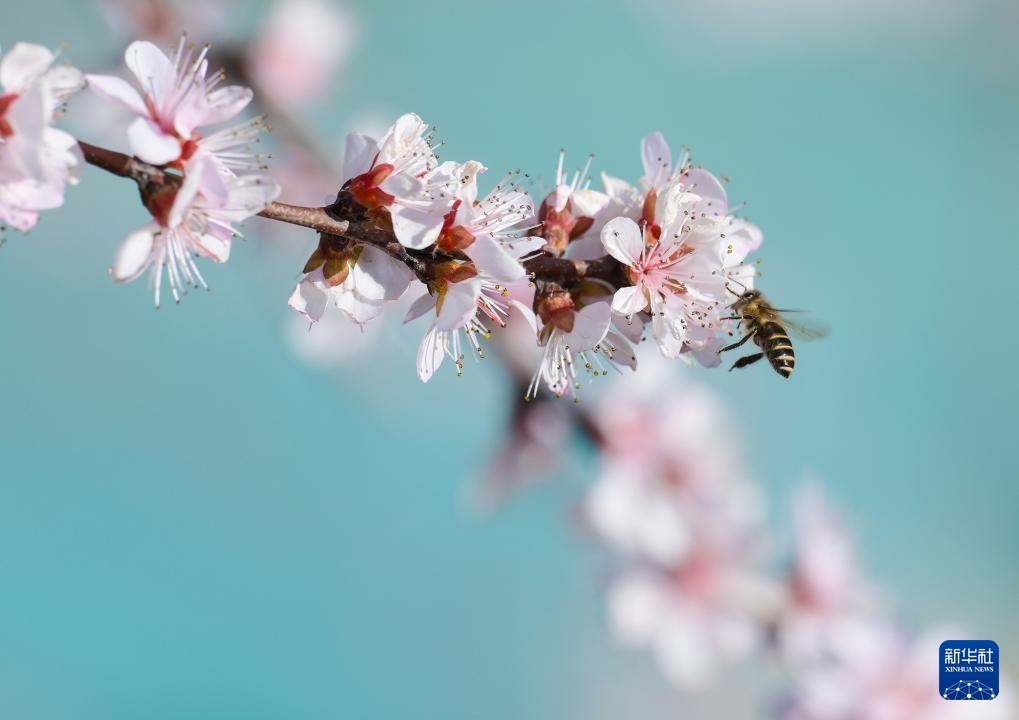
<point x="345" y="219"/>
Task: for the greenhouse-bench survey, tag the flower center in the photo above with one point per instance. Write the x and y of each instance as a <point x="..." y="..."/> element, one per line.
<point x="454" y="237"/>
<point x="365" y="187"/>
<point x="5" y="102"/>
<point x="189" y="147"/>
<point x="160" y="203"/>
<point x="559" y="227"/>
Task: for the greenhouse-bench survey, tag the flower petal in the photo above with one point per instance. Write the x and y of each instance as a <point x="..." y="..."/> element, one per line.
<point x="745" y="237"/>
<point x="405" y="133"/>
<point x="467" y="187"/>
<point x="703" y="183"/>
<point x="156" y="74"/>
<point x="225" y="103"/>
<point x="666" y="334"/>
<point x="707" y="353"/>
<point x="358" y="154"/>
<point x="61" y="82"/>
<point x="623" y="240"/>
<point x="24" y="64"/>
<point x="185" y="196"/>
<point x="415" y="228"/>
<point x="657" y="159"/>
<point x="309" y="298"/>
<point x="629" y="300"/>
<point x="622" y="351"/>
<point x="589" y="203"/>
<point x="589" y="327"/>
<point x="134" y="255"/>
<point x="586" y="247"/>
<point x="637" y="603"/>
<point x="356" y="307"/>
<point x="23" y="152"/>
<point x="459" y="304"/>
<point x="213" y="246"/>
<point x="430" y="354"/>
<point x="151" y="144"/>
<point x="377" y="277"/>
<point x="632" y="328"/>
<point x="118" y="90"/>
<point x="419" y="307"/>
<point x="492" y="259"/>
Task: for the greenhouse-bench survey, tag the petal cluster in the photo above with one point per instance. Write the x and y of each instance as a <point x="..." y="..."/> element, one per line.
<point x="37" y="160"/>
<point x="221" y="178"/>
<point x="175" y="99"/>
<point x="475" y="247"/>
<point x="684" y="253"/>
<point x="672" y="502"/>
<point x="680" y="249"/>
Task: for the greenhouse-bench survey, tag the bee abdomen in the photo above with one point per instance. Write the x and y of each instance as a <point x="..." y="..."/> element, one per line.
<point x="779" y="348"/>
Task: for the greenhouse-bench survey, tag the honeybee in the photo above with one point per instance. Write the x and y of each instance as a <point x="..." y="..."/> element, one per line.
<point x="768" y="328"/>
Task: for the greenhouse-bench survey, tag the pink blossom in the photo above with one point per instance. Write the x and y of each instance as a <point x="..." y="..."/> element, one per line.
<point x="372" y="281"/>
<point x="163" y="21"/>
<point x="400" y="174"/>
<point x="874" y="671"/>
<point x="827" y="585"/>
<point x="577" y="342"/>
<point x="680" y="263"/>
<point x="176" y="101"/>
<point x="195" y="220"/>
<point x="466" y="307"/>
<point x="489" y="231"/>
<point x="298" y="51"/>
<point x="36" y="159"/>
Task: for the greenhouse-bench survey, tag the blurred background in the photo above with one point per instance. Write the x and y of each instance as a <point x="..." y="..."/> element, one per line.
<point x="194" y="521"/>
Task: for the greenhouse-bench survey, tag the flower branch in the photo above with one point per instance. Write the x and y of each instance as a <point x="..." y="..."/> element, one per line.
<point x="586" y="269"/>
<point x="336" y="220"/>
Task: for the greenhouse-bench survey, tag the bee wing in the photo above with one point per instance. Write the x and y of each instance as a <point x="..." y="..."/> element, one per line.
<point x="810" y="330"/>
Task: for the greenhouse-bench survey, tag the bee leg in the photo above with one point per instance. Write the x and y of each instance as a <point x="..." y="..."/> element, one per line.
<point x="738" y="344"/>
<point x="748" y="360"/>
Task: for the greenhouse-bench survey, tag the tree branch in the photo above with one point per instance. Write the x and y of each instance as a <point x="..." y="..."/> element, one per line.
<point x="345" y="219"/>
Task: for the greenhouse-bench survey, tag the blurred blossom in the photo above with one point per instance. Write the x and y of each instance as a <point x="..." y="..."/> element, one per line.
<point x="332" y="341"/>
<point x="538" y="433"/>
<point x="163" y="21"/>
<point x="671" y="500"/>
<point x="696" y="616"/>
<point x="874" y="671"/>
<point x="827" y="586"/>
<point x="305" y="179"/>
<point x="299" y="50"/>
<point x="36" y="159"/>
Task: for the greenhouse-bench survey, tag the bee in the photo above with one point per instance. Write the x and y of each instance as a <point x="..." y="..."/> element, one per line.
<point x="768" y="328"/>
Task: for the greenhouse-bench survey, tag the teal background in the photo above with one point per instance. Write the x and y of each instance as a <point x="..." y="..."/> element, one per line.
<point x="194" y="524"/>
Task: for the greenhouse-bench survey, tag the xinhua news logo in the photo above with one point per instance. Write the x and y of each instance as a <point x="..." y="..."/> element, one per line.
<point x="969" y="669"/>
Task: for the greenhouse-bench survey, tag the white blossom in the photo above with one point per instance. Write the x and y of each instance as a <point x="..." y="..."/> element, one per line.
<point x="36" y="159"/>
